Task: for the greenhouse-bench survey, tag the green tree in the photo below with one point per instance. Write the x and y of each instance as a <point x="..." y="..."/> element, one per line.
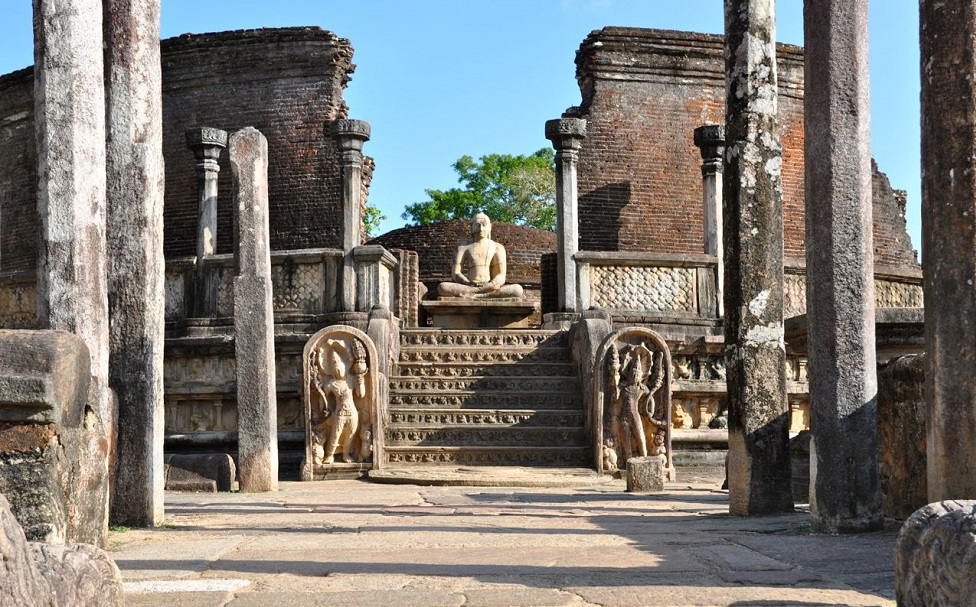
<point x="513" y="189"/>
<point x="372" y="218"/>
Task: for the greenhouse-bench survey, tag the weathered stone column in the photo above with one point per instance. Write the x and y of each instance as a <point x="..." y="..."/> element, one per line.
<point x="69" y="122"/>
<point x="845" y="489"/>
<point x="257" y="404"/>
<point x="351" y="134"/>
<point x="206" y="143"/>
<point x="566" y="135"/>
<point x="710" y="140"/>
<point x="759" y="458"/>
<point x="136" y="267"/>
<point x="948" y="58"/>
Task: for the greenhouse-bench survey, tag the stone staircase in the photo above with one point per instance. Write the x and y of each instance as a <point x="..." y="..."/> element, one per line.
<point x="486" y="397"/>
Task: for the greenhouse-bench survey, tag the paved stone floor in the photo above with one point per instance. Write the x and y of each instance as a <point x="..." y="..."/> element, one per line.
<point x="361" y="544"/>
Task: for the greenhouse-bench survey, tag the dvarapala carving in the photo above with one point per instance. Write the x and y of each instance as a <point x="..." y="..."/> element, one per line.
<point x="341" y="389"/>
<point x="632" y="379"/>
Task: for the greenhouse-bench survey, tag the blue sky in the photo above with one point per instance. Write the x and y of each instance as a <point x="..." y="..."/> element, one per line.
<point x="438" y="79"/>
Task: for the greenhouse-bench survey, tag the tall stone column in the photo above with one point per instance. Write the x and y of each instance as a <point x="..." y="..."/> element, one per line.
<point x="206" y="143"/>
<point x="710" y="140"/>
<point x="136" y="267"/>
<point x="257" y="405"/>
<point x="759" y="459"/>
<point x="566" y="135"/>
<point x="948" y="58"/>
<point x="845" y="489"/>
<point x="69" y="122"/>
<point x="351" y="134"/>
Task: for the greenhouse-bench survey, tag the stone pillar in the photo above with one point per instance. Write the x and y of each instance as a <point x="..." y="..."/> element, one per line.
<point x="206" y="144"/>
<point x="136" y="266"/>
<point x="948" y="61"/>
<point x="374" y="277"/>
<point x="69" y="122"/>
<point x="257" y="406"/>
<point x="710" y="140"/>
<point x="845" y="490"/>
<point x="566" y="135"/>
<point x="759" y="416"/>
<point x="351" y="134"/>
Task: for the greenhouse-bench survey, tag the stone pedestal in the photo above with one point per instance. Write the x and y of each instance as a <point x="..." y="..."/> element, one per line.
<point x="450" y="313"/>
<point x="646" y="474"/>
<point x="759" y="458"/>
<point x="567" y="136"/>
<point x="948" y="60"/>
<point x="257" y="404"/>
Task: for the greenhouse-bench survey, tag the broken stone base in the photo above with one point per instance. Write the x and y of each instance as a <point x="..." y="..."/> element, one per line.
<point x="184" y="472"/>
<point x="646" y="474"/>
<point x="935" y="563"/>
<point x="44" y="575"/>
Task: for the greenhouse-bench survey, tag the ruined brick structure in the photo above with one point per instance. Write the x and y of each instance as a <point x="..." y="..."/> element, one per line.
<point x="643" y="94"/>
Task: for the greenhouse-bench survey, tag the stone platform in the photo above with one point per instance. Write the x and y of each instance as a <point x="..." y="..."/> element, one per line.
<point x="356" y="544"/>
<point x="490" y="476"/>
<point x="458" y="313"/>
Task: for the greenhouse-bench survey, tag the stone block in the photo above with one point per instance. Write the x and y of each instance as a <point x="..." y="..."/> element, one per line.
<point x="456" y="313"/>
<point x="901" y="436"/>
<point x="646" y="474"/>
<point x="935" y="563"/>
<point x="44" y="377"/>
<point x="800" y="467"/>
<point x="218" y="467"/>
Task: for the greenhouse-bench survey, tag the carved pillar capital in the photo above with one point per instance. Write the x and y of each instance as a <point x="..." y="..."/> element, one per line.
<point x="710" y="140"/>
<point x="206" y="143"/>
<point x="351" y="135"/>
<point x="566" y="135"/>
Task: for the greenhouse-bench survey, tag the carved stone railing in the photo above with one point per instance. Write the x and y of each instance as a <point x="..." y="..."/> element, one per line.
<point x="893" y="287"/>
<point x="648" y="284"/>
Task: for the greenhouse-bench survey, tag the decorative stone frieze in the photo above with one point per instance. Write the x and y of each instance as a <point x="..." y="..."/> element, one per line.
<point x="643" y="288"/>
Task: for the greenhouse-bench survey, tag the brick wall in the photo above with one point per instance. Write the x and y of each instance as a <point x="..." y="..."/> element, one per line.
<point x="19" y="224"/>
<point x="287" y="83"/>
<point x="643" y="94"/>
<point x="435" y="244"/>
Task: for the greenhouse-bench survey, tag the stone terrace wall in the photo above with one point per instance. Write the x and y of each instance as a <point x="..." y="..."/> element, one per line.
<point x="643" y="94"/>
<point x="435" y="244"/>
<point x="287" y="83"/>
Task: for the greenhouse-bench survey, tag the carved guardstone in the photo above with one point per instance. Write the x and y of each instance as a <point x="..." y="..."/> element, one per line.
<point x="632" y="400"/>
<point x="341" y="385"/>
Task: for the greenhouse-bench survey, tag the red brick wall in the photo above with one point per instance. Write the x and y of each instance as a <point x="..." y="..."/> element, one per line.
<point x="644" y="92"/>
<point x="287" y="83"/>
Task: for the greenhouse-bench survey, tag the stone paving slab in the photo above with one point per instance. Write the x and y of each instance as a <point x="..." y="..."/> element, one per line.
<point x="357" y="543"/>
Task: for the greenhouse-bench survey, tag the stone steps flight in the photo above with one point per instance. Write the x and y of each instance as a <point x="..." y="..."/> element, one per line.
<point x="486" y="397"/>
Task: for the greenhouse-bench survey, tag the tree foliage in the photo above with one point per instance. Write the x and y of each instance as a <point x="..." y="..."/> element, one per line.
<point x="513" y="189"/>
<point x="372" y="218"/>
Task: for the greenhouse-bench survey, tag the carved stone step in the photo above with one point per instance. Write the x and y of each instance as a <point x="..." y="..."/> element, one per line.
<point x="460" y="417"/>
<point x="484" y="338"/>
<point x="488" y="384"/>
<point x="519" y="399"/>
<point x="492" y="456"/>
<point x="484" y="435"/>
<point x="507" y="369"/>
<point x="484" y="355"/>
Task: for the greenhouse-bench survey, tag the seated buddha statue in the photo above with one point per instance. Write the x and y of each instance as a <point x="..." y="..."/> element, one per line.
<point x="479" y="267"/>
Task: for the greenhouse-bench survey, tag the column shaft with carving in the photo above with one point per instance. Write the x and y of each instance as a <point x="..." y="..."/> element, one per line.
<point x="567" y="136"/>
<point x="351" y="134"/>
<point x="710" y="140"/>
<point x="206" y="144"/>
<point x="257" y="405"/>
<point x="948" y="59"/>
<point x="845" y="487"/>
<point x="136" y="267"/>
<point x="759" y="459"/>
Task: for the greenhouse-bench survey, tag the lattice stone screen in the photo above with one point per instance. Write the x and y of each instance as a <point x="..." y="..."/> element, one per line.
<point x="652" y="289"/>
